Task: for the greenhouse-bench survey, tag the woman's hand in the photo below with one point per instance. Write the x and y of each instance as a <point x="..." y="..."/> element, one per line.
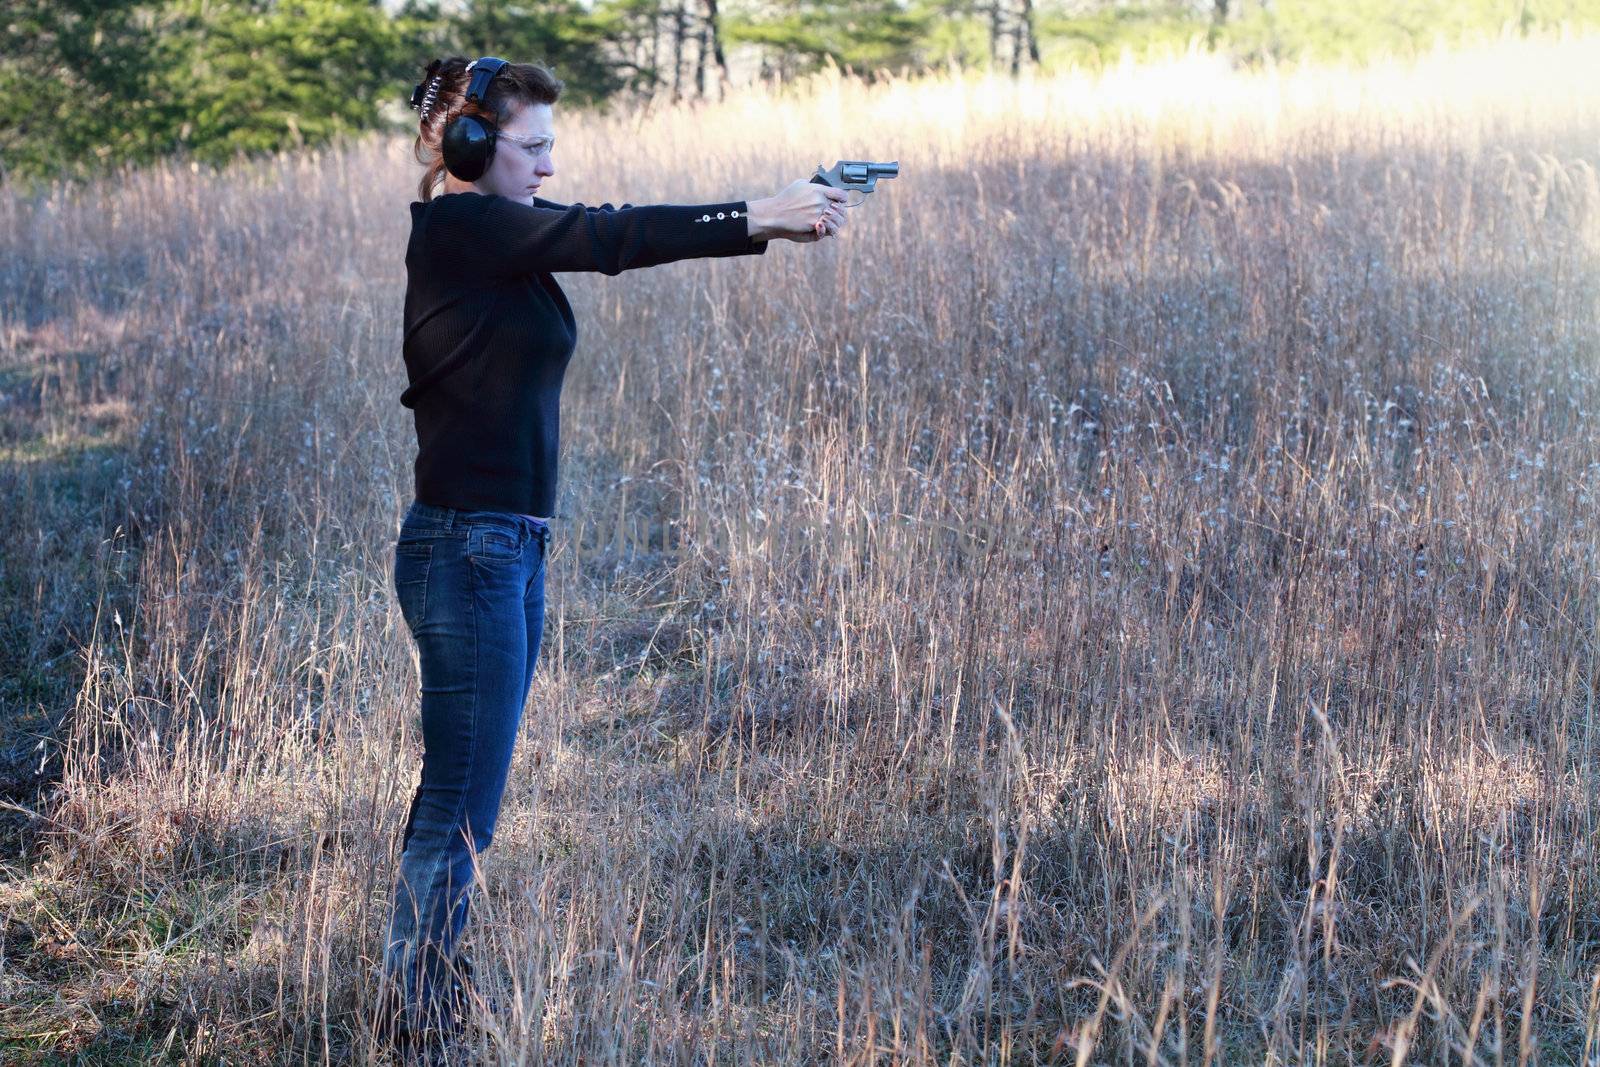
<point x="804" y="211"/>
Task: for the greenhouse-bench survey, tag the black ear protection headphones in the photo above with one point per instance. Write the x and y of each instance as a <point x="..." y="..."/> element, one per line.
<point x="468" y="140"/>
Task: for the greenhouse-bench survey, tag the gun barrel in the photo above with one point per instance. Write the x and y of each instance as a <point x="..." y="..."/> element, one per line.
<point x="862" y="172"/>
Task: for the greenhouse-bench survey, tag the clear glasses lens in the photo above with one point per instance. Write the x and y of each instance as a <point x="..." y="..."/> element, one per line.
<point x="536" y="147"/>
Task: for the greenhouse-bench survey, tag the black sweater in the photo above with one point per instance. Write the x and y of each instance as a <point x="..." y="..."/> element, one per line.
<point x="488" y="332"/>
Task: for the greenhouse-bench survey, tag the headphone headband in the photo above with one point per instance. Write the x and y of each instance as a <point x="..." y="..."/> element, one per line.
<point x="483" y="71"/>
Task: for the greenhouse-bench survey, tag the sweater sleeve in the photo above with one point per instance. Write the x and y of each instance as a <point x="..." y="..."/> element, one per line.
<point x="500" y="237"/>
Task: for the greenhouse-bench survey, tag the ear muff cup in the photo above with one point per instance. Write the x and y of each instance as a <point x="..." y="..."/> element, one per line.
<point x="468" y="140"/>
<point x="468" y="146"/>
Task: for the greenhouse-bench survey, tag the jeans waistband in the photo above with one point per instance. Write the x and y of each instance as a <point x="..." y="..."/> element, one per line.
<point x="448" y="518"/>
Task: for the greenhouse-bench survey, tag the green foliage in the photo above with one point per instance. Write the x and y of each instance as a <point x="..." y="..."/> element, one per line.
<point x="107" y="84"/>
<point x="1355" y="29"/>
<point x="94" y="85"/>
<point x="65" y="69"/>
<point x="1103" y="35"/>
<point x="961" y="38"/>
<point x="862" y="35"/>
<point x="1260" y="30"/>
<point x="558" y="34"/>
<point x="256" y="77"/>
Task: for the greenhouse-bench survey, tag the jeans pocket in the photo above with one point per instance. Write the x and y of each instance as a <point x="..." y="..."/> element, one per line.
<point x="412" y="563"/>
<point x="494" y="542"/>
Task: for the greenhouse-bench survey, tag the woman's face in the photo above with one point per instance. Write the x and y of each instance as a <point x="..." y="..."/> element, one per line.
<point x="521" y="155"/>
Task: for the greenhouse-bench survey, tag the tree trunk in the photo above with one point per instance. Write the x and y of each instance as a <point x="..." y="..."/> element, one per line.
<point x="655" y="51"/>
<point x="714" y="28"/>
<point x="1016" y="52"/>
<point x="1027" y="28"/>
<point x="678" y="36"/>
<point x="1219" y="17"/>
<point x="700" y="61"/>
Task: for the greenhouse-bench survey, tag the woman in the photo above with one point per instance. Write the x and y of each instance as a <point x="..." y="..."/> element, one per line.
<point x="488" y="334"/>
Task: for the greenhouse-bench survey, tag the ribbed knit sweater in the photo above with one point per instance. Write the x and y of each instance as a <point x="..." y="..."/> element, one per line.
<point x="489" y="333"/>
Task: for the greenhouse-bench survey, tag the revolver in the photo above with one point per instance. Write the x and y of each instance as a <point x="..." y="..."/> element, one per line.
<point x="856" y="174"/>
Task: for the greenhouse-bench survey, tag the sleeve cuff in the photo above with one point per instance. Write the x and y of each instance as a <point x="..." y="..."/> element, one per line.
<point x="726" y="229"/>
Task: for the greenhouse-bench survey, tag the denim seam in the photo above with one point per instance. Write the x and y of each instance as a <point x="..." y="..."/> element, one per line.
<point x="425" y="553"/>
<point x="472" y="743"/>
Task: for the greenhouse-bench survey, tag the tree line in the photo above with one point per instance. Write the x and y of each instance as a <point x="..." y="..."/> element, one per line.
<point x="94" y="84"/>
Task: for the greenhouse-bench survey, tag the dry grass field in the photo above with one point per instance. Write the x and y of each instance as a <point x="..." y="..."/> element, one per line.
<point x="1131" y="598"/>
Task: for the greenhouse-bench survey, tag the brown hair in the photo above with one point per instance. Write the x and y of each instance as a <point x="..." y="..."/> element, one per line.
<point x="516" y="85"/>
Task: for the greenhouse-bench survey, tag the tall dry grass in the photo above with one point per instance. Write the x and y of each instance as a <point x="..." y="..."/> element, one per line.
<point x="1132" y="598"/>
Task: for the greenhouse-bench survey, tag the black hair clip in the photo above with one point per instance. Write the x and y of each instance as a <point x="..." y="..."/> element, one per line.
<point x="422" y="86"/>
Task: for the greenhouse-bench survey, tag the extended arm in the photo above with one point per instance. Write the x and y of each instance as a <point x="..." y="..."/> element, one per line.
<point x="498" y="236"/>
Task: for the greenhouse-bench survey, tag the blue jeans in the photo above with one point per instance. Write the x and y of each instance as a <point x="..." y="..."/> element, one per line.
<point x="470" y="585"/>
